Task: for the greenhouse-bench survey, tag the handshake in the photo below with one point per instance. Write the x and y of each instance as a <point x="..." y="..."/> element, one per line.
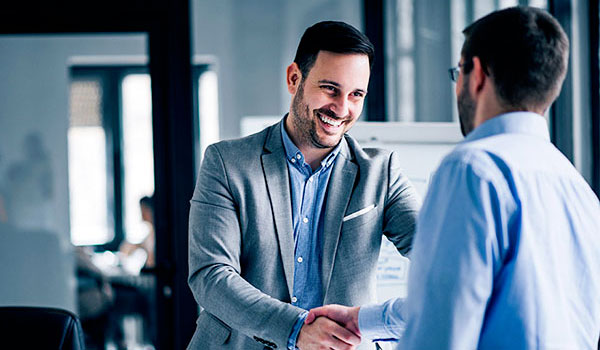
<point x="330" y="327"/>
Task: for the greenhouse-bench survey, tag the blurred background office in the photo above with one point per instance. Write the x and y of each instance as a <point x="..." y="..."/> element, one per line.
<point x="106" y="103"/>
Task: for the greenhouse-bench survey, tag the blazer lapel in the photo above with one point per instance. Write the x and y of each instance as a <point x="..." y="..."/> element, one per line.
<point x="278" y="186"/>
<point x="339" y="192"/>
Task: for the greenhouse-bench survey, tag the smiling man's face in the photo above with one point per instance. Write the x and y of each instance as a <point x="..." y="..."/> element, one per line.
<point x="330" y="99"/>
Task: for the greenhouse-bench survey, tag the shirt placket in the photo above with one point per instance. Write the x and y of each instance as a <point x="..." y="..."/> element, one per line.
<point x="304" y="238"/>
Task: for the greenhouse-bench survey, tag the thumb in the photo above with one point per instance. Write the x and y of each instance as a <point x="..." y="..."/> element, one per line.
<point x="310" y="318"/>
<point x="316" y="312"/>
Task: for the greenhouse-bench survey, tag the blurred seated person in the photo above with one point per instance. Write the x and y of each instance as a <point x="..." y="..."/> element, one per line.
<point x="136" y="298"/>
<point x="95" y="299"/>
<point x="128" y="248"/>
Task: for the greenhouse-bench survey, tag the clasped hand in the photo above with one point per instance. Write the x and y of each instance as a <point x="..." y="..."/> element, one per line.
<point x="330" y="327"/>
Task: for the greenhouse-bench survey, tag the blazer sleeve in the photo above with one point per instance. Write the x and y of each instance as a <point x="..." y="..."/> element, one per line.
<point x="401" y="208"/>
<point x="214" y="262"/>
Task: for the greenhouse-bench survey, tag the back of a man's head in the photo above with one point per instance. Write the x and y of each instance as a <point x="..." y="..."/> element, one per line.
<point x="524" y="50"/>
<point x="338" y="37"/>
<point x="147" y="201"/>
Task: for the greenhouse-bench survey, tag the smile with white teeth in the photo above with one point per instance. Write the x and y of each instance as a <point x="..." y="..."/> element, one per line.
<point x="329" y="121"/>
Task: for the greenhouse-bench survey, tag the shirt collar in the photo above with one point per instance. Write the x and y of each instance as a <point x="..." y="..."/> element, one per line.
<point x="293" y="154"/>
<point x="512" y="123"/>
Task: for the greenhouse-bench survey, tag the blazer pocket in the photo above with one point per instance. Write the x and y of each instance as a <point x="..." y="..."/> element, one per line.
<point x="214" y="328"/>
<point x="360" y="217"/>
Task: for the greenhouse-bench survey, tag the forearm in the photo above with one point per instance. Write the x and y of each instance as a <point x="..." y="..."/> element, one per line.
<point x="222" y="292"/>
<point x="401" y="208"/>
<point x="382" y="322"/>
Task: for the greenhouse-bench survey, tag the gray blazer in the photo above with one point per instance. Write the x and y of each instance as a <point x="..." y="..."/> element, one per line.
<point x="241" y="245"/>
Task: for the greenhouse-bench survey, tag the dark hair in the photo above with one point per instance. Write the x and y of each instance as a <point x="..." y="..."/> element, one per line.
<point x="147" y="201"/>
<point x="338" y="37"/>
<point x="526" y="52"/>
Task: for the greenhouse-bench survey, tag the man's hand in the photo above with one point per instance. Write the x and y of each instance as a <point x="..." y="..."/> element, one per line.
<point x="343" y="315"/>
<point x="323" y="333"/>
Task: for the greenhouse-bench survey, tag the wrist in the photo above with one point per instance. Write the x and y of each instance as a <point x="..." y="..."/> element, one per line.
<point x="353" y="322"/>
<point x="293" y="338"/>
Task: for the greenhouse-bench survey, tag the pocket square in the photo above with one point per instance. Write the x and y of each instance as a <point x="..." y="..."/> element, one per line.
<point x="358" y="213"/>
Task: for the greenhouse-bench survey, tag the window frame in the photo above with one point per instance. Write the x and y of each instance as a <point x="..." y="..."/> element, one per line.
<point x="594" y="59"/>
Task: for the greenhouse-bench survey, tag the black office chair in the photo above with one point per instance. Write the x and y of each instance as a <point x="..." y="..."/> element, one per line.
<point x="39" y="328"/>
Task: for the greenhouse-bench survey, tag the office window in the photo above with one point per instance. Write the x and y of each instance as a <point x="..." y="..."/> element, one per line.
<point x="138" y="158"/>
<point x="208" y="112"/>
<point x="90" y="223"/>
<point x="206" y="86"/>
<point x="423" y="39"/>
<point x="111" y="158"/>
<point x="110" y="154"/>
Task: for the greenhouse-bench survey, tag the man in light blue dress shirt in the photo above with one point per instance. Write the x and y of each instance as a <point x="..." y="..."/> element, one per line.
<point x="507" y="249"/>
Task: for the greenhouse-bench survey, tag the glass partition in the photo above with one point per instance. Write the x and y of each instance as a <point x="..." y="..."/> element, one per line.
<point x="72" y="163"/>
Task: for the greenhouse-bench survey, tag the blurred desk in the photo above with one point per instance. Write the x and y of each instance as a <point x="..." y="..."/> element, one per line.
<point x="143" y="281"/>
<point x="134" y="289"/>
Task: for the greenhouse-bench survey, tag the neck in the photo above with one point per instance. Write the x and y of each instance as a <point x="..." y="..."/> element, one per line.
<point x="489" y="105"/>
<point x="486" y="113"/>
<point x="312" y="155"/>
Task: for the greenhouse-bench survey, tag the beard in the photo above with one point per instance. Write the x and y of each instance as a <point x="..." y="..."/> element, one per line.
<point x="466" y="110"/>
<point x="306" y="124"/>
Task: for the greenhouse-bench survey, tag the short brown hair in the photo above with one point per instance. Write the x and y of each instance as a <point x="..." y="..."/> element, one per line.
<point x="525" y="50"/>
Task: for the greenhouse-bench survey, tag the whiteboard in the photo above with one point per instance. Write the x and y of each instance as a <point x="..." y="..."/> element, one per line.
<point x="420" y="148"/>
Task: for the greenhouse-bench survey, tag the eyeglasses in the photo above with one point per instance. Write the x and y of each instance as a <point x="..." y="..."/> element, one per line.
<point x="454" y="72"/>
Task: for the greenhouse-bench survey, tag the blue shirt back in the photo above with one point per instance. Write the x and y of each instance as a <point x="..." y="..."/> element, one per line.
<point x="507" y="249"/>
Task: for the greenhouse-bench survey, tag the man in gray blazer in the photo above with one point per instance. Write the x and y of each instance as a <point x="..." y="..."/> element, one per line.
<point x="292" y="217"/>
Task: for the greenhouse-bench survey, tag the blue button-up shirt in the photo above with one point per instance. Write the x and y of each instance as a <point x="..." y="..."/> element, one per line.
<point x="308" y="190"/>
<point x="507" y="250"/>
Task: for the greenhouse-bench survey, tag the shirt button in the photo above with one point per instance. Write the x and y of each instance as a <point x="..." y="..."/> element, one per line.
<point x="300" y="259"/>
<point x="298" y="156"/>
<point x="305" y="220"/>
<point x="310" y="179"/>
<point x="293" y="160"/>
<point x="294" y="299"/>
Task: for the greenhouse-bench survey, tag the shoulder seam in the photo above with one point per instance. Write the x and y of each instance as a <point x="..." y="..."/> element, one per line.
<point x="218" y="151"/>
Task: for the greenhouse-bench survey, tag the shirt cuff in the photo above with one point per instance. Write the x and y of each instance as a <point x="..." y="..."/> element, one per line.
<point x="381" y="322"/>
<point x="296" y="330"/>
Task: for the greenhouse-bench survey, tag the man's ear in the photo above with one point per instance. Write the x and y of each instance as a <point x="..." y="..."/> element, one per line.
<point x="478" y="77"/>
<point x="293" y="78"/>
